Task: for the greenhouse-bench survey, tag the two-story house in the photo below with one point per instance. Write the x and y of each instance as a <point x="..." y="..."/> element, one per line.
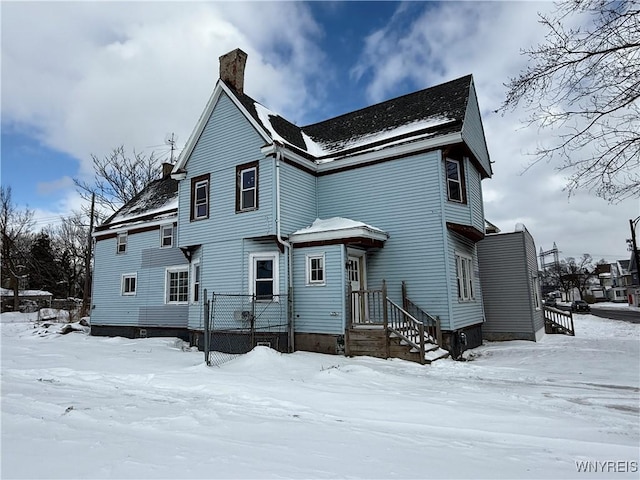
<point x="296" y="229"/>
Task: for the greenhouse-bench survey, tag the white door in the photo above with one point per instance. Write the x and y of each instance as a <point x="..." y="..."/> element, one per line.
<point x="354" y="276"/>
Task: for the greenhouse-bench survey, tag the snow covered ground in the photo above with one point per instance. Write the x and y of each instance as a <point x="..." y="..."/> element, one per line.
<point x="75" y="406"/>
<point x="621" y="306"/>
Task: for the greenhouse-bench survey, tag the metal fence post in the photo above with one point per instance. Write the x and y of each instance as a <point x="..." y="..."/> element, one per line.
<point x="207" y="334"/>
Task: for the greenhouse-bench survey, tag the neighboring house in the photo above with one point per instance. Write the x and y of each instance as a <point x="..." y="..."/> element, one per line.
<point x="614" y="278"/>
<point x="281" y="222"/>
<point x="510" y="286"/>
<point x="30" y="300"/>
<point x="633" y="288"/>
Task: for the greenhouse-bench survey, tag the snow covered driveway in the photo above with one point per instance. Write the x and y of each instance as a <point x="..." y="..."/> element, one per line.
<point x="75" y="406"/>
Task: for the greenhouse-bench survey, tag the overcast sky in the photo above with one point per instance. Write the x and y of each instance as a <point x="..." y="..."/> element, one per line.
<point x="82" y="78"/>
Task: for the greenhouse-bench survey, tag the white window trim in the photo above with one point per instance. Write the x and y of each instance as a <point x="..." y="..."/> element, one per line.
<point x="192" y="281"/>
<point x="314" y="283"/>
<point x="125" y="243"/>
<point x="535" y="280"/>
<point x="205" y="202"/>
<point x="254" y="188"/>
<point x="275" y="257"/>
<point x="122" y="283"/>
<point x="460" y="277"/>
<point x="175" y="269"/>
<point x="162" y="236"/>
<point x="458" y="181"/>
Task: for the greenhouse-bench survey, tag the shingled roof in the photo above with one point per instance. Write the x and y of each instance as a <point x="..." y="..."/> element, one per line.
<point x="438" y="110"/>
<point x="156" y="201"/>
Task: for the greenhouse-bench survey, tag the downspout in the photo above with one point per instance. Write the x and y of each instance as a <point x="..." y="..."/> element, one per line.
<point x="289" y="251"/>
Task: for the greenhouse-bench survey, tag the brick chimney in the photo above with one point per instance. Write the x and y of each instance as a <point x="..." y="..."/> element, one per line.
<point x="232" y="69"/>
<point x="166" y="169"/>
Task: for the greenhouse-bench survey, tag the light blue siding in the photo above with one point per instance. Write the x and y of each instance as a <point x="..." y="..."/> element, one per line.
<point x="298" y="202"/>
<point x="228" y="140"/>
<point x="472" y="212"/>
<point x="224" y="269"/>
<point x="148" y="261"/>
<point x="403" y="198"/>
<point x="473" y="131"/>
<point x="319" y="308"/>
<point x="464" y="312"/>
<point x="474" y="196"/>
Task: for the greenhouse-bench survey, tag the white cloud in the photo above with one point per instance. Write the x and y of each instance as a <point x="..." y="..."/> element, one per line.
<point x="451" y="39"/>
<point x="93" y="76"/>
<point x="55" y="185"/>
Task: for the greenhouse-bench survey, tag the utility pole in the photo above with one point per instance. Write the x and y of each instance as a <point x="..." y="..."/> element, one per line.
<point x="87" y="263"/>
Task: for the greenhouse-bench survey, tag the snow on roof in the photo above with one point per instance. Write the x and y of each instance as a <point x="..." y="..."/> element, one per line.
<point x="5" y="292"/>
<point x="335" y="228"/>
<point x="334" y="223"/>
<point x="264" y="115"/>
<point x="157" y="200"/>
<point x="432" y="112"/>
<point x="357" y="142"/>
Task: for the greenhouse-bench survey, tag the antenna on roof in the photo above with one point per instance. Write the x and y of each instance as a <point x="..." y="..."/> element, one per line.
<point x="171" y="141"/>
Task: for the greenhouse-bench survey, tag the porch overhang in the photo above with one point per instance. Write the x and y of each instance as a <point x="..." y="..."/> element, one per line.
<point x="338" y="230"/>
<point x="467" y="231"/>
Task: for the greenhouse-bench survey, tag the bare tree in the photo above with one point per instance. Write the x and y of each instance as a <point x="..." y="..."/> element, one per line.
<point x="583" y="84"/>
<point x="118" y="178"/>
<point x="571" y="273"/>
<point x="70" y="239"/>
<point x="15" y="234"/>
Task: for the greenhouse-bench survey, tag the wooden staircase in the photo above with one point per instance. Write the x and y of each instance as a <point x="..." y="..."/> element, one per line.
<point x="380" y="328"/>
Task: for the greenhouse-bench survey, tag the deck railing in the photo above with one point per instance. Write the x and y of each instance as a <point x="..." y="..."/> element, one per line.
<point x="558" y="321"/>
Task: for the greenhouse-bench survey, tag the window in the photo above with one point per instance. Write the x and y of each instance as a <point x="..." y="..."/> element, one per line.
<point x="122" y="243"/>
<point x="166" y="236"/>
<point x="177" y="285"/>
<point x="464" y="277"/>
<point x="129" y="281"/>
<point x="263" y="278"/>
<point x="454" y="181"/>
<point x="195" y="287"/>
<point x="536" y="293"/>
<point x="247" y="187"/>
<point x="315" y="270"/>
<point x="200" y="197"/>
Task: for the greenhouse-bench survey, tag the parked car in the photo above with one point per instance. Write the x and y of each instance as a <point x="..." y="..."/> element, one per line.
<point x="551" y="302"/>
<point x="580" y="306"/>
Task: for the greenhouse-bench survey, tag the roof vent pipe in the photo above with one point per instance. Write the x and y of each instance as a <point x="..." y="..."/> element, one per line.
<point x="232" y="69"/>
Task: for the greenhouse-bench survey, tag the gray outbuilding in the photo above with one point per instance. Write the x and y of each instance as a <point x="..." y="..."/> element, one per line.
<point x="510" y="286"/>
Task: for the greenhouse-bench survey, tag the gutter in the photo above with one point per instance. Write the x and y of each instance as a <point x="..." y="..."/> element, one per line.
<point x="288" y="249"/>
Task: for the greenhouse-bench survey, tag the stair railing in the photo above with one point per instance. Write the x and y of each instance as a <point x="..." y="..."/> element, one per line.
<point x="431" y="323"/>
<point x="406" y="327"/>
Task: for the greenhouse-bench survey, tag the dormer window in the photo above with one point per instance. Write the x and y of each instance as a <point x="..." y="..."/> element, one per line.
<point x="200" y="197"/>
<point x="247" y="187"/>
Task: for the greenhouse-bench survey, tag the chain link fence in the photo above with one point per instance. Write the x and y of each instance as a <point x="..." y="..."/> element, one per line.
<point x="237" y="323"/>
